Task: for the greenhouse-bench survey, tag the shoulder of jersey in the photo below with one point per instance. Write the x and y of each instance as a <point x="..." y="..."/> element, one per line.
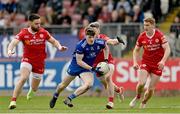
<point x="102" y="35"/>
<point x="82" y="43"/>
<point x="42" y="30"/>
<point x="99" y="41"/>
<point x="24" y="31"/>
<point x="158" y="31"/>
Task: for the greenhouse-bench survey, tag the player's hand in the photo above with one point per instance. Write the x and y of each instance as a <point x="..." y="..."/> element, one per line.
<point x="120" y="40"/>
<point x="96" y="69"/>
<point x="63" y="48"/>
<point x="136" y="66"/>
<point x="10" y="53"/>
<point x="161" y="65"/>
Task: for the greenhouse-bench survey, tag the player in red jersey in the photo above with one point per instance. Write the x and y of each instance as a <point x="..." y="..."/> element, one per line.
<point x="33" y="38"/>
<point x="107" y="79"/>
<point x="156" y="52"/>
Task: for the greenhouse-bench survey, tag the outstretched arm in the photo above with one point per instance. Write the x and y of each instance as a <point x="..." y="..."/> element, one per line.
<point x="56" y="43"/>
<point x="115" y="41"/>
<point x="11" y="46"/>
<point x="112" y="42"/>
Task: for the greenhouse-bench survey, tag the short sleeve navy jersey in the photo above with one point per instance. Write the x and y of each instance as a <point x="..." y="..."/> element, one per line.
<point x="89" y="51"/>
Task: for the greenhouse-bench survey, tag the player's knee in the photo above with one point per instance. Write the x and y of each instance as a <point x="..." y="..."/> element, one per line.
<point x="151" y="89"/>
<point x="88" y="86"/>
<point x="141" y="84"/>
<point x="38" y="77"/>
<point x="22" y="79"/>
<point x="108" y="79"/>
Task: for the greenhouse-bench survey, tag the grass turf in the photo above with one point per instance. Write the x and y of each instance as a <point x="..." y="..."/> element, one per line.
<point x="40" y="104"/>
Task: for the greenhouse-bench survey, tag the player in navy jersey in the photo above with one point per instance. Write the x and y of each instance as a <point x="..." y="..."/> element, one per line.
<point x="106" y="80"/>
<point x="81" y="65"/>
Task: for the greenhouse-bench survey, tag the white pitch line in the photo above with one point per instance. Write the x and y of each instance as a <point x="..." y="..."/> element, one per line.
<point x="87" y="113"/>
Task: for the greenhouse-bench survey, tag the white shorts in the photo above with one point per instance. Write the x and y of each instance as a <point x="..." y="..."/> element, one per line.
<point x="29" y="67"/>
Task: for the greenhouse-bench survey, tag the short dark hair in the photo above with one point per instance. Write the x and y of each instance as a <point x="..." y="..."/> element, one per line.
<point x="90" y="31"/>
<point x="32" y="17"/>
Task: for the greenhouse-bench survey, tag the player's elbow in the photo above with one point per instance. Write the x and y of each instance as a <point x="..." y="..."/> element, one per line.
<point x="14" y="42"/>
<point x="79" y="62"/>
<point x="167" y="49"/>
<point x="135" y="52"/>
<point x="54" y="42"/>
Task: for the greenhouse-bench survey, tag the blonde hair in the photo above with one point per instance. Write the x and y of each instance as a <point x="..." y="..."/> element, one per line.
<point x="150" y="20"/>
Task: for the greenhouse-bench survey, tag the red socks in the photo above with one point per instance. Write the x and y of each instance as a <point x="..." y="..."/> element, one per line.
<point x="111" y="99"/>
<point x="117" y="90"/>
<point x="138" y="96"/>
<point x="13" y="99"/>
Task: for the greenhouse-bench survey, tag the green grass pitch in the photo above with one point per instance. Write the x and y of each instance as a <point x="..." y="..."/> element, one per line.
<point x="91" y="105"/>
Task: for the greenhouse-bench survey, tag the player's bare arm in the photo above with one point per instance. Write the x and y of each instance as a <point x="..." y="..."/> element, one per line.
<point x="57" y="44"/>
<point x="135" y="56"/>
<point x="115" y="41"/>
<point x="11" y="46"/>
<point x="167" y="51"/>
<point x="112" y="42"/>
<point x="106" y="52"/>
<point x="81" y="63"/>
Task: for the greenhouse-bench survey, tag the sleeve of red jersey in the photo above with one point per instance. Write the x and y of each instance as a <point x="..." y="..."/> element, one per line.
<point x="48" y="35"/>
<point x="105" y="37"/>
<point x="139" y="41"/>
<point x="19" y="36"/>
<point x="162" y="38"/>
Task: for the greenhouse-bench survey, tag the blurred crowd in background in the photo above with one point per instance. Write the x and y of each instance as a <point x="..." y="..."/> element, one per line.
<point x="14" y="13"/>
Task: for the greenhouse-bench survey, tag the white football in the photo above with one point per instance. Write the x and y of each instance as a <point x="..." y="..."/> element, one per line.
<point x="104" y="67"/>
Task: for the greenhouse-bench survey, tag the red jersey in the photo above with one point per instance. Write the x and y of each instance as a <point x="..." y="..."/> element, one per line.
<point x="34" y="44"/>
<point x="100" y="56"/>
<point x="81" y="34"/>
<point x="153" y="50"/>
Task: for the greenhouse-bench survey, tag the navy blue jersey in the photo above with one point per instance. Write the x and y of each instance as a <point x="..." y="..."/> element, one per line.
<point x="89" y="51"/>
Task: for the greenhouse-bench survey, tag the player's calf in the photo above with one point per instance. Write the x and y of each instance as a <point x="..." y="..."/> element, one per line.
<point x="30" y="94"/>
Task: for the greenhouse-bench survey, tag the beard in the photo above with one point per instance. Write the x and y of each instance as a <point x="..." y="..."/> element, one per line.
<point x="35" y="29"/>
